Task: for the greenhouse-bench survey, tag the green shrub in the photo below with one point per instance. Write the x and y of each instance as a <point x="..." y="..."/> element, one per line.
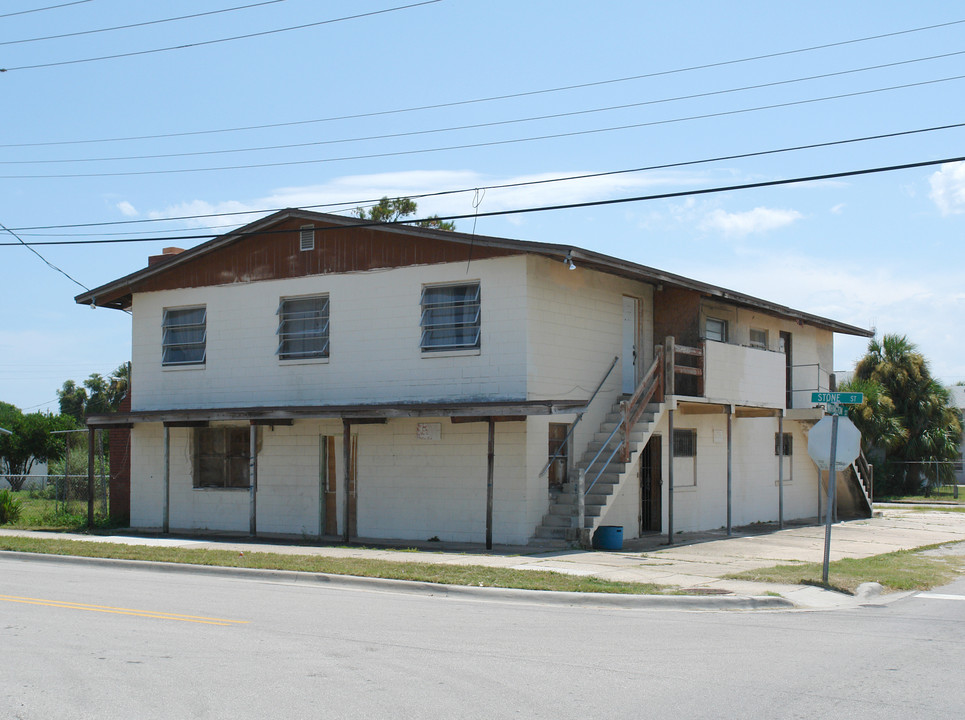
<point x="10" y="507"/>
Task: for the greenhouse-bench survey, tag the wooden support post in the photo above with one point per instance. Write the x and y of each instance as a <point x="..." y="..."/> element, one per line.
<point x="166" y="512"/>
<point x="91" y="433"/>
<point x="670" y="480"/>
<point x="490" y="468"/>
<point x="780" y="469"/>
<point x="347" y="475"/>
<point x="730" y="465"/>
<point x="581" y="510"/>
<point x="253" y="480"/>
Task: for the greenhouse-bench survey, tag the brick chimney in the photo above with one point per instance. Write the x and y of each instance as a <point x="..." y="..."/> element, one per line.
<point x="166" y="254"/>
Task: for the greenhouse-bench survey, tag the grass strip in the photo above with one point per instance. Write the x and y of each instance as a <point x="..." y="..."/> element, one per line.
<point x="469" y="575"/>
<point x="896" y="571"/>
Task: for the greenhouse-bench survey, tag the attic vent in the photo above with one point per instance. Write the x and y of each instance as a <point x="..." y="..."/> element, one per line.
<point x="307" y="238"/>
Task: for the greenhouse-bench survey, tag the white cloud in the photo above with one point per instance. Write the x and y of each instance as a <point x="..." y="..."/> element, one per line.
<point x="758" y="220"/>
<point x="838" y="209"/>
<point x="344" y="193"/>
<point x="127" y="210"/>
<point x="948" y="188"/>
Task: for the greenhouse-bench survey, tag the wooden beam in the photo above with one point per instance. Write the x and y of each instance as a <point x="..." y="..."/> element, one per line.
<point x="185" y="423"/>
<point x="346" y="475"/>
<point x="494" y="418"/>
<point x="267" y="421"/>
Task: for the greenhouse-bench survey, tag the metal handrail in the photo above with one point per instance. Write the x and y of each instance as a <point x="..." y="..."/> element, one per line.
<point x="609" y="459"/>
<point x="579" y="416"/>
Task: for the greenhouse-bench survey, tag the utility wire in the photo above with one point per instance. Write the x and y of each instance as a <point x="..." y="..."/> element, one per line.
<point x="545" y="208"/>
<point x="492" y="143"/>
<point x="46" y="261"/>
<point x="219" y="40"/>
<point x="502" y="186"/>
<point x="495" y="123"/>
<point x="49" y="7"/>
<point x="140" y="24"/>
<point x="492" y="98"/>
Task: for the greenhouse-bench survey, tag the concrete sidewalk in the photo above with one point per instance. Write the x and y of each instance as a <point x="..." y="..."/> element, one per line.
<point x="696" y="561"/>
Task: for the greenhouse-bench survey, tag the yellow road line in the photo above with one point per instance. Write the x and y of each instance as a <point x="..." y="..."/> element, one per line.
<point x="122" y="611"/>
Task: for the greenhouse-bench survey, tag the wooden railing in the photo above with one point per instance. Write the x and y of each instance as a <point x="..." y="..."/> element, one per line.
<point x="650" y="388"/>
<point x="865" y="472"/>
<point x="672" y="369"/>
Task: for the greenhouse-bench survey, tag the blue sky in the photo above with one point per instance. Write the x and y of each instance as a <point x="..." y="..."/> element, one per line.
<point x="882" y="250"/>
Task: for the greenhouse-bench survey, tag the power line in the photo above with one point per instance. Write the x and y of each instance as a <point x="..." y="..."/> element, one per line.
<point x="502" y="186"/>
<point x="492" y="143"/>
<point x="492" y="98"/>
<point x="548" y="208"/>
<point x="45" y="260"/>
<point x="219" y="40"/>
<point x="140" y="24"/>
<point x="49" y="7"/>
<point x="495" y="123"/>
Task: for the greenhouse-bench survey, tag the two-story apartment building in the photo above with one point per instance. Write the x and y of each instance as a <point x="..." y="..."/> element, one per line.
<point x="314" y="375"/>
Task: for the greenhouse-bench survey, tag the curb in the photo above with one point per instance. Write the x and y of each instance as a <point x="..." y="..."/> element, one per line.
<point x="354" y="582"/>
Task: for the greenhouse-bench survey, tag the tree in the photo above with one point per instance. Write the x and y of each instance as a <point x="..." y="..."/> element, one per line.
<point x="393" y="210"/>
<point x="98" y="395"/>
<point x="31" y="441"/>
<point x="900" y="391"/>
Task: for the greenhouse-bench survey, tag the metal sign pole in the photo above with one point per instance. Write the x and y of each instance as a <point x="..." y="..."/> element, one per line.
<point x="832" y="473"/>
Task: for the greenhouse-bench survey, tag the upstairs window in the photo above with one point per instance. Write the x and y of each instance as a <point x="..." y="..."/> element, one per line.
<point x="183" y="336"/>
<point x="306" y="238"/>
<point x="221" y="457"/>
<point x="450" y="317"/>
<point x="303" y="328"/>
<point x="758" y="339"/>
<point x="715" y="329"/>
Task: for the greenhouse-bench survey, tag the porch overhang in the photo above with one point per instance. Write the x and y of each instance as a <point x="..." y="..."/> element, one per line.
<point x="285" y="415"/>
<point x="687" y="405"/>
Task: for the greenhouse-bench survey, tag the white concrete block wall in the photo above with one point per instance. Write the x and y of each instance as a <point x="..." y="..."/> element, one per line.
<point x="575" y="329"/>
<point x="744" y="375"/>
<point x="754" y="474"/>
<point x="375" y="335"/>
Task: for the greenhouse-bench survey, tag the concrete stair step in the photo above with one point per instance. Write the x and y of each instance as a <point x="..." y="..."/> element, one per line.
<point x="554" y="533"/>
<point x="563" y="510"/>
<point x="561" y="521"/>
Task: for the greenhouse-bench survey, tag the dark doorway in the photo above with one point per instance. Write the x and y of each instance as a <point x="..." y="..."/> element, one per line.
<point x="559" y="450"/>
<point x="651" y="482"/>
<point x="788" y="370"/>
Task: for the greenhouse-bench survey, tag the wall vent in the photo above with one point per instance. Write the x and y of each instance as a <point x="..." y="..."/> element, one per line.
<point x="307" y="238"/>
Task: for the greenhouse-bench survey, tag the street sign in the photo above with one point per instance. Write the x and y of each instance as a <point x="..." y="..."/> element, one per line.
<point x="848" y="446"/>
<point x="839" y="398"/>
<point x="836" y="409"/>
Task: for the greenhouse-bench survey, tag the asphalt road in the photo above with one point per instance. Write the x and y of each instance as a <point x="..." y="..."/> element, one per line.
<point x="81" y="641"/>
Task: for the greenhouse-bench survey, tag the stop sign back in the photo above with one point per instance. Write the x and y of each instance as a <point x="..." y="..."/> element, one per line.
<point x="847" y="450"/>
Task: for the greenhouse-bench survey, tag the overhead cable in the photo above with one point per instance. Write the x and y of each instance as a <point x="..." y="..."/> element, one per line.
<point x="502" y="186"/>
<point x="542" y="208"/>
<point x="202" y="43"/>
<point x="492" y="143"/>
<point x="492" y="98"/>
<point x="475" y="126"/>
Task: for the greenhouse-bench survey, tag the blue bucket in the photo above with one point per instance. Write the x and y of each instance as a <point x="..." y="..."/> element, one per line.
<point x="608" y="537"/>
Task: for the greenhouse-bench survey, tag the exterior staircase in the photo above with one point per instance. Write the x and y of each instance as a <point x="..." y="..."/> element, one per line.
<point x="559" y="526"/>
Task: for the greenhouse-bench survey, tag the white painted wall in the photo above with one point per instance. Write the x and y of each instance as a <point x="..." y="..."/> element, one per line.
<point x="744" y="375"/>
<point x="375" y="335"/>
<point x="755" y="490"/>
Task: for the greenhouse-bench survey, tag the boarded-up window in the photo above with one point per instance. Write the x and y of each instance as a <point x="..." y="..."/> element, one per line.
<point x="221" y="457"/>
<point x="788" y="444"/>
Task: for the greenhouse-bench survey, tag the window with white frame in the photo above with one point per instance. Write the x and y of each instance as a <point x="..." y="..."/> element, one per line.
<point x="184" y="336"/>
<point x="450" y="317"/>
<point x="715" y="329"/>
<point x="303" y="324"/>
<point x="684" y="457"/>
<point x="758" y="338"/>
<point x="221" y="457"/>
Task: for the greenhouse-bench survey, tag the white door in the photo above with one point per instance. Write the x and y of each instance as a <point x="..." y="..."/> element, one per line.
<point x="630" y="331"/>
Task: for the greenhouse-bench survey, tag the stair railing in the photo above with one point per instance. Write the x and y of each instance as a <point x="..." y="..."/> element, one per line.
<point x="650" y="386"/>
<point x="560" y="450"/>
<point x="865" y="473"/>
<point x="638" y="402"/>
